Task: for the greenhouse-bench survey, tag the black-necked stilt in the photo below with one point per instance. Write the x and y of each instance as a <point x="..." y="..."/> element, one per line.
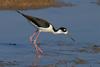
<point x="42" y="26"/>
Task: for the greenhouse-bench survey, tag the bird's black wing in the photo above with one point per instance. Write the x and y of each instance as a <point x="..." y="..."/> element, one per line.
<point x="37" y="21"/>
<point x="40" y="22"/>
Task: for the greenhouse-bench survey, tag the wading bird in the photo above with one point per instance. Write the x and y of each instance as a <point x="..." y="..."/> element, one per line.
<point x="42" y="26"/>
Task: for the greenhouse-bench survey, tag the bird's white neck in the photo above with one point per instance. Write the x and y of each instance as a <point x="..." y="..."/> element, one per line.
<point x="60" y="32"/>
<point x="57" y="32"/>
<point x="51" y="29"/>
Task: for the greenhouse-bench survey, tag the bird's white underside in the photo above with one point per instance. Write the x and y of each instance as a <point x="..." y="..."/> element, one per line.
<point x="49" y="29"/>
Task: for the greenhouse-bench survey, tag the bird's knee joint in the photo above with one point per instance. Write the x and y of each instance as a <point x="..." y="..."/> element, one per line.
<point x="34" y="41"/>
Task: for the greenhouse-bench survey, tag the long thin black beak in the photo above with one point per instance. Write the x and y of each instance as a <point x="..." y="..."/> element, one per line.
<point x="69" y="35"/>
<point x="72" y="39"/>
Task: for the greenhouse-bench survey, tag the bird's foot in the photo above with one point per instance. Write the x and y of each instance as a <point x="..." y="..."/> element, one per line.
<point x="39" y="51"/>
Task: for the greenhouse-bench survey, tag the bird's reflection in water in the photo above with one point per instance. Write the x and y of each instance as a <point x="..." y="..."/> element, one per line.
<point x="36" y="60"/>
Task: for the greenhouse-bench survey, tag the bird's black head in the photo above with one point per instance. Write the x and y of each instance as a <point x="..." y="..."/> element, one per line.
<point x="62" y="30"/>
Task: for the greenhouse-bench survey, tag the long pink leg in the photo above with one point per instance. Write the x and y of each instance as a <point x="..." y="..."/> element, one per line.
<point x="38" y="50"/>
<point x="32" y="36"/>
<point x="38" y="42"/>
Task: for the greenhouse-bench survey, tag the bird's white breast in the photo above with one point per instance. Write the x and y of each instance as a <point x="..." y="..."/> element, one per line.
<point x="49" y="29"/>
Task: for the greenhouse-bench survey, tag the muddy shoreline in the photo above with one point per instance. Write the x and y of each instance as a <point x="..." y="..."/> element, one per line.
<point x="30" y="4"/>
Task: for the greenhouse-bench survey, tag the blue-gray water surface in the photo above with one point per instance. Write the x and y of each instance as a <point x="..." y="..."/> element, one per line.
<point x="83" y="22"/>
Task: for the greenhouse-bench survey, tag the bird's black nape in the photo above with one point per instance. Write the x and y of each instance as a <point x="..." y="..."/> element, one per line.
<point x="63" y="29"/>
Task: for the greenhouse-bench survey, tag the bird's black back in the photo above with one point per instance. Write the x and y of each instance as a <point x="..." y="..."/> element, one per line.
<point x="37" y="21"/>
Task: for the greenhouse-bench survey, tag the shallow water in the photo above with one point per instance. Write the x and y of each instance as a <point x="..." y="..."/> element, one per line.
<point x="81" y="20"/>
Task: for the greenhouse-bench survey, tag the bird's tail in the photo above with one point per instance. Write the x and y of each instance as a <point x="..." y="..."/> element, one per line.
<point x="21" y="13"/>
<point x="29" y="18"/>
